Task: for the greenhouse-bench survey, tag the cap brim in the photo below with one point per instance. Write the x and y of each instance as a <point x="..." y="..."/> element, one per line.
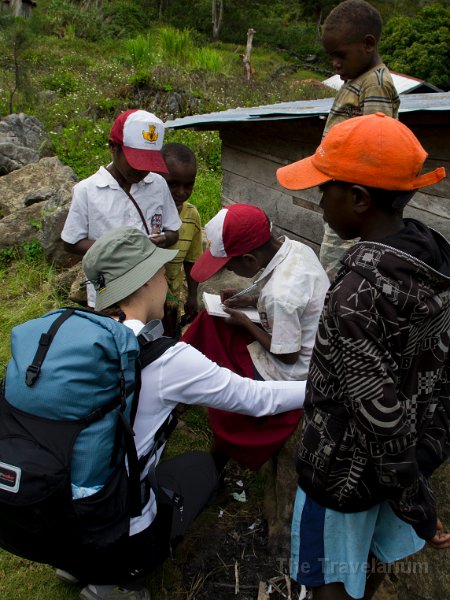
<point x="208" y="265"/>
<point x="301" y="175"/>
<point x="133" y="279"/>
<point x="145" y="160"/>
<point x="429" y="178"/>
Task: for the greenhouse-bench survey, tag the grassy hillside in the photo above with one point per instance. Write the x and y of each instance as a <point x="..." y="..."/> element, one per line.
<point x="76" y="87"/>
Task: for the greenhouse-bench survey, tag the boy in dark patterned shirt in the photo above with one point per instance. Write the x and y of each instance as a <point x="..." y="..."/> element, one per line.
<point x="377" y="409"/>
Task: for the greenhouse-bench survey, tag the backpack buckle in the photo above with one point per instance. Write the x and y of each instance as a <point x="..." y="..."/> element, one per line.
<point x="151" y="332"/>
<point x="32" y="374"/>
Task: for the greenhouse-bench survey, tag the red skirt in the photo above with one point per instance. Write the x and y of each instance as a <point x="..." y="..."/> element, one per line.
<point x="250" y="441"/>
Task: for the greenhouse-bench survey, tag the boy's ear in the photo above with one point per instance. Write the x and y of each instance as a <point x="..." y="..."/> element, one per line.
<point x="370" y="43"/>
<point x="361" y="198"/>
<point x="114" y="147"/>
<point x="250" y="260"/>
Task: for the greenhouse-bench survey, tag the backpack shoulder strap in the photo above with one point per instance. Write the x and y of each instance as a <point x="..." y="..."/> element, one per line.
<point x="45" y="340"/>
<point x="152" y="350"/>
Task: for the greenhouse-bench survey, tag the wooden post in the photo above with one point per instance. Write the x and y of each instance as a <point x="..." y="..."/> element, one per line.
<point x="248" y="69"/>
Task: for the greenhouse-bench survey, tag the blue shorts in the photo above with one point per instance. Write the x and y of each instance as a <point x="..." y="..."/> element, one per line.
<point x="330" y="546"/>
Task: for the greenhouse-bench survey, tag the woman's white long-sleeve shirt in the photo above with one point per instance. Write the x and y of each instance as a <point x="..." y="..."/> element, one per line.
<point x="184" y="375"/>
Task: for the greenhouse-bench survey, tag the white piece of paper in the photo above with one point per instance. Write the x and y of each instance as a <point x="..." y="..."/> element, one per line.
<point x="214" y="306"/>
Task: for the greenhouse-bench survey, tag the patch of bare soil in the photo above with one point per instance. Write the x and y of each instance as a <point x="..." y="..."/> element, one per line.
<point x="226" y="555"/>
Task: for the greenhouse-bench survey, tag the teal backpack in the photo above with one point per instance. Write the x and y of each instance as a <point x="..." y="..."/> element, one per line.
<point x="70" y="477"/>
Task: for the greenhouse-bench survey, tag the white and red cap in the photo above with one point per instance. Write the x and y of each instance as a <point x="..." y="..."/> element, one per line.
<point x="141" y="135"/>
<point x="234" y="231"/>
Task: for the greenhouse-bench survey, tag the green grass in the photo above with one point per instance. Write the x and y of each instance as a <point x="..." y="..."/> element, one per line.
<point x="79" y="86"/>
<point x="28" y="290"/>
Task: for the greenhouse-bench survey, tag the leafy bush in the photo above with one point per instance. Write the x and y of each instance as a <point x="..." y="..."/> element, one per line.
<point x="62" y="82"/>
<point x="176" y="46"/>
<point x="125" y="19"/>
<point x="15" y="42"/>
<point x="83" y="145"/>
<point x="142" y="51"/>
<point x="420" y="45"/>
<point x="66" y="19"/>
<point x="211" y="60"/>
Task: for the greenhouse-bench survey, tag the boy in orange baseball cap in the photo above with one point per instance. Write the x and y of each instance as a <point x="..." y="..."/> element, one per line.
<point x="377" y="410"/>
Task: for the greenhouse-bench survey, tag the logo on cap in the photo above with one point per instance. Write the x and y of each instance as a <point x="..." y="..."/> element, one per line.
<point x="150" y="135"/>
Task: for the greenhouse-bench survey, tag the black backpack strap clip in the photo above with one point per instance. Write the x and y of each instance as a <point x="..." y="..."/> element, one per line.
<point x="33" y="370"/>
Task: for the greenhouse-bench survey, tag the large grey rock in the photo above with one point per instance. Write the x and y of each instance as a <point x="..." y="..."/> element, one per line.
<point x="19" y="227"/>
<point x="34" y="184"/>
<point x="37" y="194"/>
<point x="14" y="157"/>
<point x="69" y="283"/>
<point x="23" y="140"/>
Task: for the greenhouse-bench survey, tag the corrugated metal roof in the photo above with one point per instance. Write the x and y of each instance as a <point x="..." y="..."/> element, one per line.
<point x="301" y="109"/>
<point x="404" y="84"/>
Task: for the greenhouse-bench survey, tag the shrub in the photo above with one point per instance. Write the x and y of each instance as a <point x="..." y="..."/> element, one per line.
<point x="176" y="46"/>
<point x="126" y="19"/>
<point x="83" y="145"/>
<point x="67" y="19"/>
<point x="211" y="60"/>
<point x="420" y="45"/>
<point x="142" y="51"/>
<point x="62" y="82"/>
<point x="15" y="42"/>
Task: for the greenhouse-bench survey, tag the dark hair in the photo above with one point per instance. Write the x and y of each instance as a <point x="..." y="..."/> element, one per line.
<point x="115" y="311"/>
<point x="389" y="201"/>
<point x="358" y="17"/>
<point x="179" y="152"/>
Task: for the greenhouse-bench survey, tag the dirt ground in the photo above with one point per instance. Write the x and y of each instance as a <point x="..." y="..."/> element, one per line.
<point x="226" y="555"/>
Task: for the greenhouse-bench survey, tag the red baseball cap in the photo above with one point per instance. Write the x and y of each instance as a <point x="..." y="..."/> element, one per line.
<point x="373" y="150"/>
<point x="141" y="135"/>
<point x="235" y="230"/>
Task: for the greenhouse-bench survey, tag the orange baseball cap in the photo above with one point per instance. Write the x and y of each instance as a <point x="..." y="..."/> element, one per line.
<point x="373" y="150"/>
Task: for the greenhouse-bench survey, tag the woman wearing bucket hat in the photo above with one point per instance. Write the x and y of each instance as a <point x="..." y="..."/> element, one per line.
<point x="128" y="272"/>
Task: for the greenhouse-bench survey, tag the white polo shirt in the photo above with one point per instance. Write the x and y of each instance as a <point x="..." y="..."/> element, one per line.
<point x="183" y="374"/>
<point x="100" y="204"/>
<point x="292" y="292"/>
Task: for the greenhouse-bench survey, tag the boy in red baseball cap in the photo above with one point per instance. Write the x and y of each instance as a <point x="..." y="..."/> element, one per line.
<point x="376" y="419"/>
<point x="289" y="292"/>
<point x="129" y="191"/>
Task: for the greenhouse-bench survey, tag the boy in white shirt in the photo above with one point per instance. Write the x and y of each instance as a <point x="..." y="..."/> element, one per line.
<point x="126" y="192"/>
<point x="290" y="290"/>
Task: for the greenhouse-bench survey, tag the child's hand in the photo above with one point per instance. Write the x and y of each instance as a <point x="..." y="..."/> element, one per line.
<point x="159" y="240"/>
<point x="440" y="540"/>
<point x="227" y="293"/>
<point x="240" y="302"/>
<point x="237" y="318"/>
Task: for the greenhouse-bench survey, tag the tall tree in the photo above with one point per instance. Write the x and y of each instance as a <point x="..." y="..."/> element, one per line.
<point x="16" y="39"/>
<point x="217" y="17"/>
